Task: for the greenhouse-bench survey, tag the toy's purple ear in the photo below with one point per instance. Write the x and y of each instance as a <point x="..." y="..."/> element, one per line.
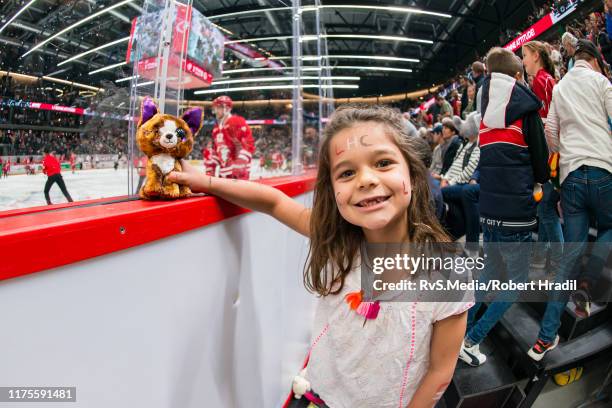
<point x="147" y="110"/>
<point x="193" y="118"/>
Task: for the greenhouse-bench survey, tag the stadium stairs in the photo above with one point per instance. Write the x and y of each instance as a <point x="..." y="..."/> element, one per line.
<point x="510" y="378"/>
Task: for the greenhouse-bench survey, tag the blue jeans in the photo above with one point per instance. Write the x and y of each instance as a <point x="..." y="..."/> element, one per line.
<point x="466" y="196"/>
<point x="504" y="251"/>
<point x="586" y="191"/>
<point x="549" y="229"/>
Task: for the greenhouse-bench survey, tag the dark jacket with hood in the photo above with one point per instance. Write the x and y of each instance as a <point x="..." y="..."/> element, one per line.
<point x="513" y="154"/>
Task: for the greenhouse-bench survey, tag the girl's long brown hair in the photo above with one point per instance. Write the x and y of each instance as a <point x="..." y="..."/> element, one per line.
<point x="333" y="240"/>
<point x="540" y="49"/>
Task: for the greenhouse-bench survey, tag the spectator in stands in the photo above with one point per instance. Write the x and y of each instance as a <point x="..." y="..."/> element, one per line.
<point x="458" y="178"/>
<point x="446" y="110"/>
<point x="440" y="109"/>
<point x="463" y="86"/>
<point x="557" y="60"/>
<point x="471" y="99"/>
<point x="608" y="21"/>
<point x="451" y="143"/>
<point x="478" y="73"/>
<point x="585" y="174"/>
<point x="455" y="103"/>
<point x="311" y="146"/>
<point x="424" y="152"/>
<point x="467" y="155"/>
<point x="478" y="76"/>
<point x="434" y="110"/>
<point x="539" y="65"/>
<point x="437" y="157"/>
<point x="569" y="44"/>
<point x="508" y="173"/>
<point x="412" y="130"/>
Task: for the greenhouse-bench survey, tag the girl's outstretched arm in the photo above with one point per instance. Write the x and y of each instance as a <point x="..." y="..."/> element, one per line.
<point x="445" y="345"/>
<point x="254" y="196"/>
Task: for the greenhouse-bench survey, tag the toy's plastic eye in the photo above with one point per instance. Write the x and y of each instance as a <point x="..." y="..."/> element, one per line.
<point x="180" y="133"/>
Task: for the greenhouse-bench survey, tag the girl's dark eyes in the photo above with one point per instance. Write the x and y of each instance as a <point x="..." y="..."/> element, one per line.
<point x="379" y="164"/>
<point x="384" y="163"/>
<point x="347" y="173"/>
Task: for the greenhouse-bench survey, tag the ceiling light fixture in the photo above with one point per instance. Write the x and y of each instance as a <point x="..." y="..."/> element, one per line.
<point x="258" y="39"/>
<point x="338" y="56"/>
<point x="78" y="23"/>
<point x="373" y="37"/>
<point x="106" y="68"/>
<point x="370" y="68"/>
<point x="78" y="85"/>
<point x="125" y="79"/>
<point x="306" y="38"/>
<point x="309" y="69"/>
<point x="270" y="87"/>
<point x="101" y="47"/>
<point x="287" y="78"/>
<point x="402" y="10"/>
<point x="24" y="8"/>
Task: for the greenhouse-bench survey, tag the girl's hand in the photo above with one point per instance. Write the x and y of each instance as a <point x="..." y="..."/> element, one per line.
<point x="196" y="180"/>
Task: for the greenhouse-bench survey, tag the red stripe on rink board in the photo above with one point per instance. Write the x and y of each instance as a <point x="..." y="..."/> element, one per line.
<point x="36" y="240"/>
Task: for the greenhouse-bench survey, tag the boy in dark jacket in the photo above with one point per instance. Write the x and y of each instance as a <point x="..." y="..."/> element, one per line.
<point x="513" y="158"/>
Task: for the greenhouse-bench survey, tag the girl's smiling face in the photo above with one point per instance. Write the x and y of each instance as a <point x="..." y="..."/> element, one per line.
<point x="371" y="181"/>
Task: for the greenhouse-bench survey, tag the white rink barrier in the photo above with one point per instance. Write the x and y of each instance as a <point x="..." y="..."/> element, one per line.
<point x="216" y="316"/>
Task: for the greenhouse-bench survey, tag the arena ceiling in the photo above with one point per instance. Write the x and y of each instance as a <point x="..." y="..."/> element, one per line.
<point x="427" y="47"/>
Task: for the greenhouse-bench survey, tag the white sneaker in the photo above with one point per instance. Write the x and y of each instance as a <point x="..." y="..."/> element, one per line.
<point x="472" y="355"/>
<point x="538" y="351"/>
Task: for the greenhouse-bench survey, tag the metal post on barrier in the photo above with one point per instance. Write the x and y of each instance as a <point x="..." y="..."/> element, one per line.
<point x="158" y="53"/>
<point x="297" y="108"/>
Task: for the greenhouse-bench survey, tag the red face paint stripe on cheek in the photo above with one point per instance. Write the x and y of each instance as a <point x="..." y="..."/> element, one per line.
<point x="404" y="184"/>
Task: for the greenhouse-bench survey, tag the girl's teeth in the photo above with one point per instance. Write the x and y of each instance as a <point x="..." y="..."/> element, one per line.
<point x="373" y="201"/>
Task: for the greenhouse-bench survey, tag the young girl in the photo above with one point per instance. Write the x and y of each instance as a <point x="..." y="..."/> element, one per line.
<point x="539" y="65"/>
<point x="370" y="187"/>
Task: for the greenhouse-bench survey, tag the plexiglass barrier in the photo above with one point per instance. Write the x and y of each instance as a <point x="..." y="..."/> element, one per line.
<point x="84" y="110"/>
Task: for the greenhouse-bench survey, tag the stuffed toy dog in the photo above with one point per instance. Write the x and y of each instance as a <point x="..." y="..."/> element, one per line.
<point x="165" y="139"/>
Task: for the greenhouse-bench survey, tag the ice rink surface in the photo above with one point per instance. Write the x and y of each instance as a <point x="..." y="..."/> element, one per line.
<point x="20" y="191"/>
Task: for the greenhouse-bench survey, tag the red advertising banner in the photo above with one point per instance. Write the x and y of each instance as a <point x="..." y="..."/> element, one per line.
<point x="532" y="32"/>
<point x="560" y="11"/>
<point x="56" y="108"/>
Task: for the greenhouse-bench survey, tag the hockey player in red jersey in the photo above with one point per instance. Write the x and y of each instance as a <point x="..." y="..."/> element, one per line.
<point x="233" y="141"/>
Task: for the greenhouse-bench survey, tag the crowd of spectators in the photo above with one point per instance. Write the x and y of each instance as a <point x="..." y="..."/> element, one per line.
<point x="566" y="76"/>
<point x="22" y="142"/>
<point x="41" y="91"/>
<point x="456" y="97"/>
